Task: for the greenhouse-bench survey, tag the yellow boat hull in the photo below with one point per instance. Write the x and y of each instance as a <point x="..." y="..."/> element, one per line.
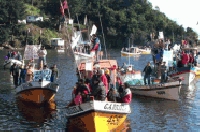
<point x="197" y="73"/>
<point x="96" y="122"/>
<point x="37" y="96"/>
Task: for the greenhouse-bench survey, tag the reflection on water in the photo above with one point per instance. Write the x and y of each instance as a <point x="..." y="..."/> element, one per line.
<point x="147" y="113"/>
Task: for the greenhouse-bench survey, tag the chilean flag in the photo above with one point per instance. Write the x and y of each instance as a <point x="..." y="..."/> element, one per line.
<point x="65" y="5"/>
<point x="62" y="9"/>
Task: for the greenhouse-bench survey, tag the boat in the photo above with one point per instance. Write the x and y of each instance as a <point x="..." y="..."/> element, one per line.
<point x="40" y="89"/>
<point x="145" y="51"/>
<point x="94" y="115"/>
<point x="10" y="62"/>
<point x="132" y="51"/>
<point x="80" y="47"/>
<point x="34" y="113"/>
<point x="169" y="90"/>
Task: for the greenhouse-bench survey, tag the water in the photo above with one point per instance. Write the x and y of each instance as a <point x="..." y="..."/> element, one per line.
<point x="147" y="113"/>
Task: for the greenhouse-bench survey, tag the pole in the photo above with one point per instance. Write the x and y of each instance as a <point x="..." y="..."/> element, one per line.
<point x="103" y="36"/>
<point x="79" y="26"/>
<point x="129" y="50"/>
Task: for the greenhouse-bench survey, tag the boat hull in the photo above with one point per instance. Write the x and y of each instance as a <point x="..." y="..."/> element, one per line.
<point x="145" y="51"/>
<point x="96" y="122"/>
<point x="82" y="56"/>
<point x="128" y="53"/>
<point x="158" y="91"/>
<point x="188" y="74"/>
<point x="10" y="62"/>
<point x="36" y="92"/>
<point x="97" y="116"/>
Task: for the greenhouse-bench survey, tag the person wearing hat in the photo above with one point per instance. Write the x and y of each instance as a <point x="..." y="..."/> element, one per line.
<point x="147" y="70"/>
<point x="95" y="44"/>
<point x="163" y="72"/>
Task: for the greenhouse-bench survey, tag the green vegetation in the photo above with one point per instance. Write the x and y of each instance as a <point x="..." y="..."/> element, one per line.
<point x="121" y="19"/>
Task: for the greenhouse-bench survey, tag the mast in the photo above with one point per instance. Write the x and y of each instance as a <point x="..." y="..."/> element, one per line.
<point x="129" y="50"/>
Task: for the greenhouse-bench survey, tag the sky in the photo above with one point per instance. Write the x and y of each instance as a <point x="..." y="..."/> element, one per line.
<point x="184" y="12"/>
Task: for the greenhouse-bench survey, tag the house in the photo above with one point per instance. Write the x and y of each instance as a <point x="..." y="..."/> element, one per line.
<point x="57" y="42"/>
<point x="33" y="19"/>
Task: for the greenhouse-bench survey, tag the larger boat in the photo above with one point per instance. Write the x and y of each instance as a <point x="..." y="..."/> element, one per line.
<point x="94" y="115"/>
<point x="40" y="89"/>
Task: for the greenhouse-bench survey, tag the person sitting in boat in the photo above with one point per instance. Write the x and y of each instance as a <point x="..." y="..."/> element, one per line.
<point x="9" y="55"/>
<point x="147" y="70"/>
<point x="107" y="74"/>
<point x="124" y="67"/>
<point x="126" y="96"/>
<point x="42" y="55"/>
<point x="113" y="95"/>
<point x="99" y="92"/>
<point x="84" y="89"/>
<point x="94" y="77"/>
<point x="163" y="73"/>
<point x="19" y="56"/>
<point x="94" y="46"/>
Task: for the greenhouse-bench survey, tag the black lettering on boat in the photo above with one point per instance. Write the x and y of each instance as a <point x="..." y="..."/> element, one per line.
<point x="114" y="107"/>
<point x="160" y="92"/>
<point x="72" y="110"/>
<point x="114" y="119"/>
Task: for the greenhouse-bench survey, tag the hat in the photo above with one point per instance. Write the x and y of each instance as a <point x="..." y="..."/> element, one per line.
<point x="107" y="71"/>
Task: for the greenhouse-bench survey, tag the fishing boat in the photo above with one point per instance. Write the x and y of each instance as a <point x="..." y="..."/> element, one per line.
<point x="10" y="62"/>
<point x="145" y="51"/>
<point x="94" y="115"/>
<point x="40" y="89"/>
<point x="169" y="90"/>
<point x="132" y="51"/>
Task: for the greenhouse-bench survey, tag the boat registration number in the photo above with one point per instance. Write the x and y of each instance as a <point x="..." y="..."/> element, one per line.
<point x="114" y="119"/>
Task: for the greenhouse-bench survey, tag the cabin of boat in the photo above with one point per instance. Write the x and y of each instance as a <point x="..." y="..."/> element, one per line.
<point x="40" y="90"/>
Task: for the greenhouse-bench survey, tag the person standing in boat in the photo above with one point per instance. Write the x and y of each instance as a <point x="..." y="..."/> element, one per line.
<point x="53" y="73"/>
<point x="22" y="75"/>
<point x="94" y="45"/>
<point x="99" y="92"/>
<point x="147" y="70"/>
<point x="13" y="70"/>
<point x="19" y="56"/>
<point x="163" y="72"/>
<point x="9" y="55"/>
<point x="42" y="52"/>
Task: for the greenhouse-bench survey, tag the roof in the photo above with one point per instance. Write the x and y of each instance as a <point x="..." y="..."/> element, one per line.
<point x="102" y="63"/>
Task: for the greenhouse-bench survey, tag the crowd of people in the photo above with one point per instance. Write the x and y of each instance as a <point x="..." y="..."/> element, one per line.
<point x="13" y="55"/>
<point x="24" y="73"/>
<point x="101" y="88"/>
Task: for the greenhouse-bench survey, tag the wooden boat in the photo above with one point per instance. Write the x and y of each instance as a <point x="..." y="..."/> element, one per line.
<point x="40" y="90"/>
<point x="145" y="51"/>
<point x="130" y="51"/>
<point x="36" y="113"/>
<point x="97" y="116"/>
<point x="10" y="62"/>
<point x="82" y="56"/>
<point x="169" y="90"/>
<point x="188" y="74"/>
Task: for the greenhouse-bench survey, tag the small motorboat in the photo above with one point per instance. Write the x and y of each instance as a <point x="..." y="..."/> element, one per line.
<point x="130" y="51"/>
<point x="40" y="90"/>
<point x="10" y="62"/>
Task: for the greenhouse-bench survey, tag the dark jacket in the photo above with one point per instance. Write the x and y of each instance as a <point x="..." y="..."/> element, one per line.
<point x="147" y="70"/>
<point x="100" y="92"/>
<point x="113" y="95"/>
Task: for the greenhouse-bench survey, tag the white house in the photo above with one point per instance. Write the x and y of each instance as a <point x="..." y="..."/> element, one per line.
<point x="34" y="19"/>
<point x="57" y="42"/>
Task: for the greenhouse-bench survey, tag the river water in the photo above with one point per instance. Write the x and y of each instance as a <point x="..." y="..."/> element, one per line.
<point x="147" y="113"/>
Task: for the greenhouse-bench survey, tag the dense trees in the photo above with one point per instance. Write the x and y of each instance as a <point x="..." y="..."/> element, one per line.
<point x="120" y="18"/>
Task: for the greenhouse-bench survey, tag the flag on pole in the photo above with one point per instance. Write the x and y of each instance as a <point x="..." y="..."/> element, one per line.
<point x="62" y="9"/>
<point x="65" y="5"/>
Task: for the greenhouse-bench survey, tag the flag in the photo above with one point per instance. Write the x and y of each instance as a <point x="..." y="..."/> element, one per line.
<point x="85" y="20"/>
<point x="65" y="5"/>
<point x="62" y="9"/>
<point x="197" y="22"/>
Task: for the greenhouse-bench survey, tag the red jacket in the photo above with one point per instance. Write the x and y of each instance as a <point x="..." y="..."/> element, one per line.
<point x="185" y="58"/>
<point x="127" y="96"/>
<point x="105" y="82"/>
<point x="191" y="58"/>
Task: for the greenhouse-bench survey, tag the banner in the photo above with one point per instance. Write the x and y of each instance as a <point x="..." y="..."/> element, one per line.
<point x="168" y="57"/>
<point x="161" y="36"/>
<point x="31" y="52"/>
<point x="42" y="74"/>
<point x="94" y="30"/>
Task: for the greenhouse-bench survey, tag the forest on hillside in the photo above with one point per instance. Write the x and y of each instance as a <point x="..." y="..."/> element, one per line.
<point x="121" y="19"/>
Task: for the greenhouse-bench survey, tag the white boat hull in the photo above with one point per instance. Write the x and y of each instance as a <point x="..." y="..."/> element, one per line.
<point x="168" y="90"/>
<point x="82" y="56"/>
<point x="188" y="77"/>
<point x="10" y="62"/>
<point x="129" y="53"/>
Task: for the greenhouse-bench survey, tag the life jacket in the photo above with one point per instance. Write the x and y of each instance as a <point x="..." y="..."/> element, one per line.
<point x="78" y="99"/>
